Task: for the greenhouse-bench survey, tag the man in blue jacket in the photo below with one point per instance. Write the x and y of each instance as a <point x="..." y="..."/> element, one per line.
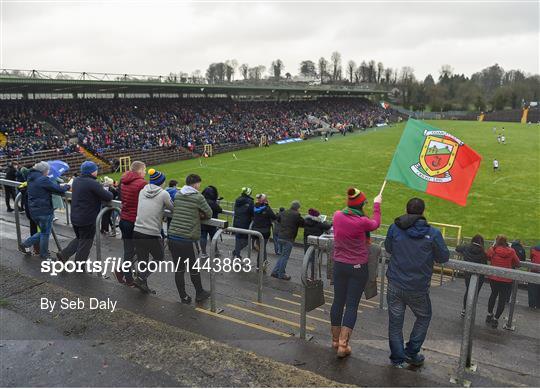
<point x="40" y="189"/>
<point x="414" y="246"/>
<point x="88" y="194"/>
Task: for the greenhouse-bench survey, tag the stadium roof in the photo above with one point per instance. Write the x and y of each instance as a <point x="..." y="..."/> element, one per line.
<point x="31" y="82"/>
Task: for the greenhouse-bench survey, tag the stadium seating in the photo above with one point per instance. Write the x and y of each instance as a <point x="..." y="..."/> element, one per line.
<point x="164" y="129"/>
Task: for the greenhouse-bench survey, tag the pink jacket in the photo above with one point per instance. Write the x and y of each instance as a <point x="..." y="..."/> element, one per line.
<point x="350" y="242"/>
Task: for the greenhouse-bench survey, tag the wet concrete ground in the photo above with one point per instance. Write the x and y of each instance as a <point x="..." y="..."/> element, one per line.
<point x="504" y="358"/>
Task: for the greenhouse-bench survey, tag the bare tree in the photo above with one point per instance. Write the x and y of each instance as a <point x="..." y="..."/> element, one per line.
<point x="336" y="65"/>
<point x="276" y="68"/>
<point x="230" y="69"/>
<point x="323" y="68"/>
<point x="380" y="72"/>
<point x="372" y="72"/>
<point x="351" y="68"/>
<point x="244" y="70"/>
<point x="387" y="75"/>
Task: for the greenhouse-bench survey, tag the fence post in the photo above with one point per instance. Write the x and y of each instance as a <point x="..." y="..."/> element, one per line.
<point x="382" y="265"/>
<point x="508" y="326"/>
<point x="466" y="341"/>
<point x="18" y="218"/>
<point x="213" y="250"/>
<point x="303" y="313"/>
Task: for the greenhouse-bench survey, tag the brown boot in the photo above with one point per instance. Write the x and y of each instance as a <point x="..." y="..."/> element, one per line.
<point x="335" y="336"/>
<point x="36" y="249"/>
<point x="344" y="350"/>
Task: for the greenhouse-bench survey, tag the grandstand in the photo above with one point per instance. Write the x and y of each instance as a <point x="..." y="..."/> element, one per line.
<point x="43" y="119"/>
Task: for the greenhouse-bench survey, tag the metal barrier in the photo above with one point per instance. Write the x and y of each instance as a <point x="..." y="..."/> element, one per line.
<point x="475" y="270"/>
<point x="213" y="250"/>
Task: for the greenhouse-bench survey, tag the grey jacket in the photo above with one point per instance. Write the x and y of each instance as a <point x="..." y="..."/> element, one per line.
<point x="153" y="200"/>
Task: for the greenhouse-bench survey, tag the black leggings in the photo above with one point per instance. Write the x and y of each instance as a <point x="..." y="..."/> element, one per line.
<point x="180" y="251"/>
<point x="501" y="289"/>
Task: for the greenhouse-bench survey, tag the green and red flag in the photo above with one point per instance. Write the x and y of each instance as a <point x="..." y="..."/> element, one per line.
<point x="433" y="161"/>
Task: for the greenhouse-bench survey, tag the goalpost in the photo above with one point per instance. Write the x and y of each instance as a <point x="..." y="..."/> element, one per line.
<point x="125" y="163"/>
<point x="208" y="150"/>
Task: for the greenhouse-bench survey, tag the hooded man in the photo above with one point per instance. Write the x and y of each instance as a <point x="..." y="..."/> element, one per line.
<point x="190" y="207"/>
<point x="414" y="246"/>
<point x="289" y="222"/>
<point x="39" y="192"/>
<point x="243" y="216"/>
<point x="88" y="194"/>
<point x="147" y="234"/>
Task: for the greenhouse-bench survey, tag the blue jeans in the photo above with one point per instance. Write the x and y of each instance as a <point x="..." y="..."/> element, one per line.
<point x="420" y="305"/>
<point x="42" y="236"/>
<point x="281" y="264"/>
<point x="349" y="284"/>
<point x="277" y="247"/>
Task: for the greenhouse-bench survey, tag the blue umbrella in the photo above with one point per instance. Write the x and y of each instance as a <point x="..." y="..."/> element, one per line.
<point x="57" y="168"/>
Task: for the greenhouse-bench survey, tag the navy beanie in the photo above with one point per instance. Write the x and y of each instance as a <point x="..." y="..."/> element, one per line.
<point x="156" y="177"/>
<point x="88" y="167"/>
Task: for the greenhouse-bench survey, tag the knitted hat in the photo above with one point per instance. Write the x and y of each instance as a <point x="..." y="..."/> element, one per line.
<point x="355" y="198"/>
<point x="88" y="167"/>
<point x="42" y="167"/>
<point x="246" y="190"/>
<point x="24" y="172"/>
<point x="313" y="212"/>
<point x="156" y="177"/>
<point x="295" y="205"/>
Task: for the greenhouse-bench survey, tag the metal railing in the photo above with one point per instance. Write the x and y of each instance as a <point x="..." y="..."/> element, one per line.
<point x="260" y="259"/>
<point x="475" y="270"/>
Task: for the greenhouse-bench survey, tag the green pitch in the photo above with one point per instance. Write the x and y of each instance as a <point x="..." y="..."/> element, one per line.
<point x="318" y="174"/>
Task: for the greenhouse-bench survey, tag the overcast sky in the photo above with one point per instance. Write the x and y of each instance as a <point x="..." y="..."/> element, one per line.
<point x="156" y="37"/>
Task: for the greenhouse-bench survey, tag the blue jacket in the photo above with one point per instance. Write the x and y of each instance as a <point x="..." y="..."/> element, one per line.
<point x="86" y="200"/>
<point x="414" y="246"/>
<point x="40" y="189"/>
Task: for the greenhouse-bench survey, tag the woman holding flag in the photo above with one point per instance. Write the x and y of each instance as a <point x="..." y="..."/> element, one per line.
<point x="351" y="240"/>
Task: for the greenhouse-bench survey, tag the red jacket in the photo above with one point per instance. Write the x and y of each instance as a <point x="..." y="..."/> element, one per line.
<point x="501" y="256"/>
<point x="130" y="186"/>
<point x="535" y="256"/>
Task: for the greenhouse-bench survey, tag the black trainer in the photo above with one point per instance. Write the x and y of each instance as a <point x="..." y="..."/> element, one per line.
<point x="142" y="285"/>
<point x="186" y="299"/>
<point x="24" y="250"/>
<point x="489" y="318"/>
<point x="494" y="323"/>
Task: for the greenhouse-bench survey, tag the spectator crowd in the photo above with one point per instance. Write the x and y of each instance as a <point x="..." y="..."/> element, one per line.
<point x="102" y="125"/>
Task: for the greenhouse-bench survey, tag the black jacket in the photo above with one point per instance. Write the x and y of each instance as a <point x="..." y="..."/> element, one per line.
<point x="313" y="226"/>
<point x="289" y="222"/>
<point x="40" y="189"/>
<point x="210" y="193"/>
<point x="263" y="216"/>
<point x="472" y="253"/>
<point x="88" y="194"/>
<point x="520" y="251"/>
<point x="11" y="173"/>
<point x="243" y="211"/>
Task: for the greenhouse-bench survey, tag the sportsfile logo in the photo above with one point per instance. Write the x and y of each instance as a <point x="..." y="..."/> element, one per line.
<point x="115" y="264"/>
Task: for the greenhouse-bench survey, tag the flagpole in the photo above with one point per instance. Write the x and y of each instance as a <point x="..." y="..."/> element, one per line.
<point x="382" y="188"/>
